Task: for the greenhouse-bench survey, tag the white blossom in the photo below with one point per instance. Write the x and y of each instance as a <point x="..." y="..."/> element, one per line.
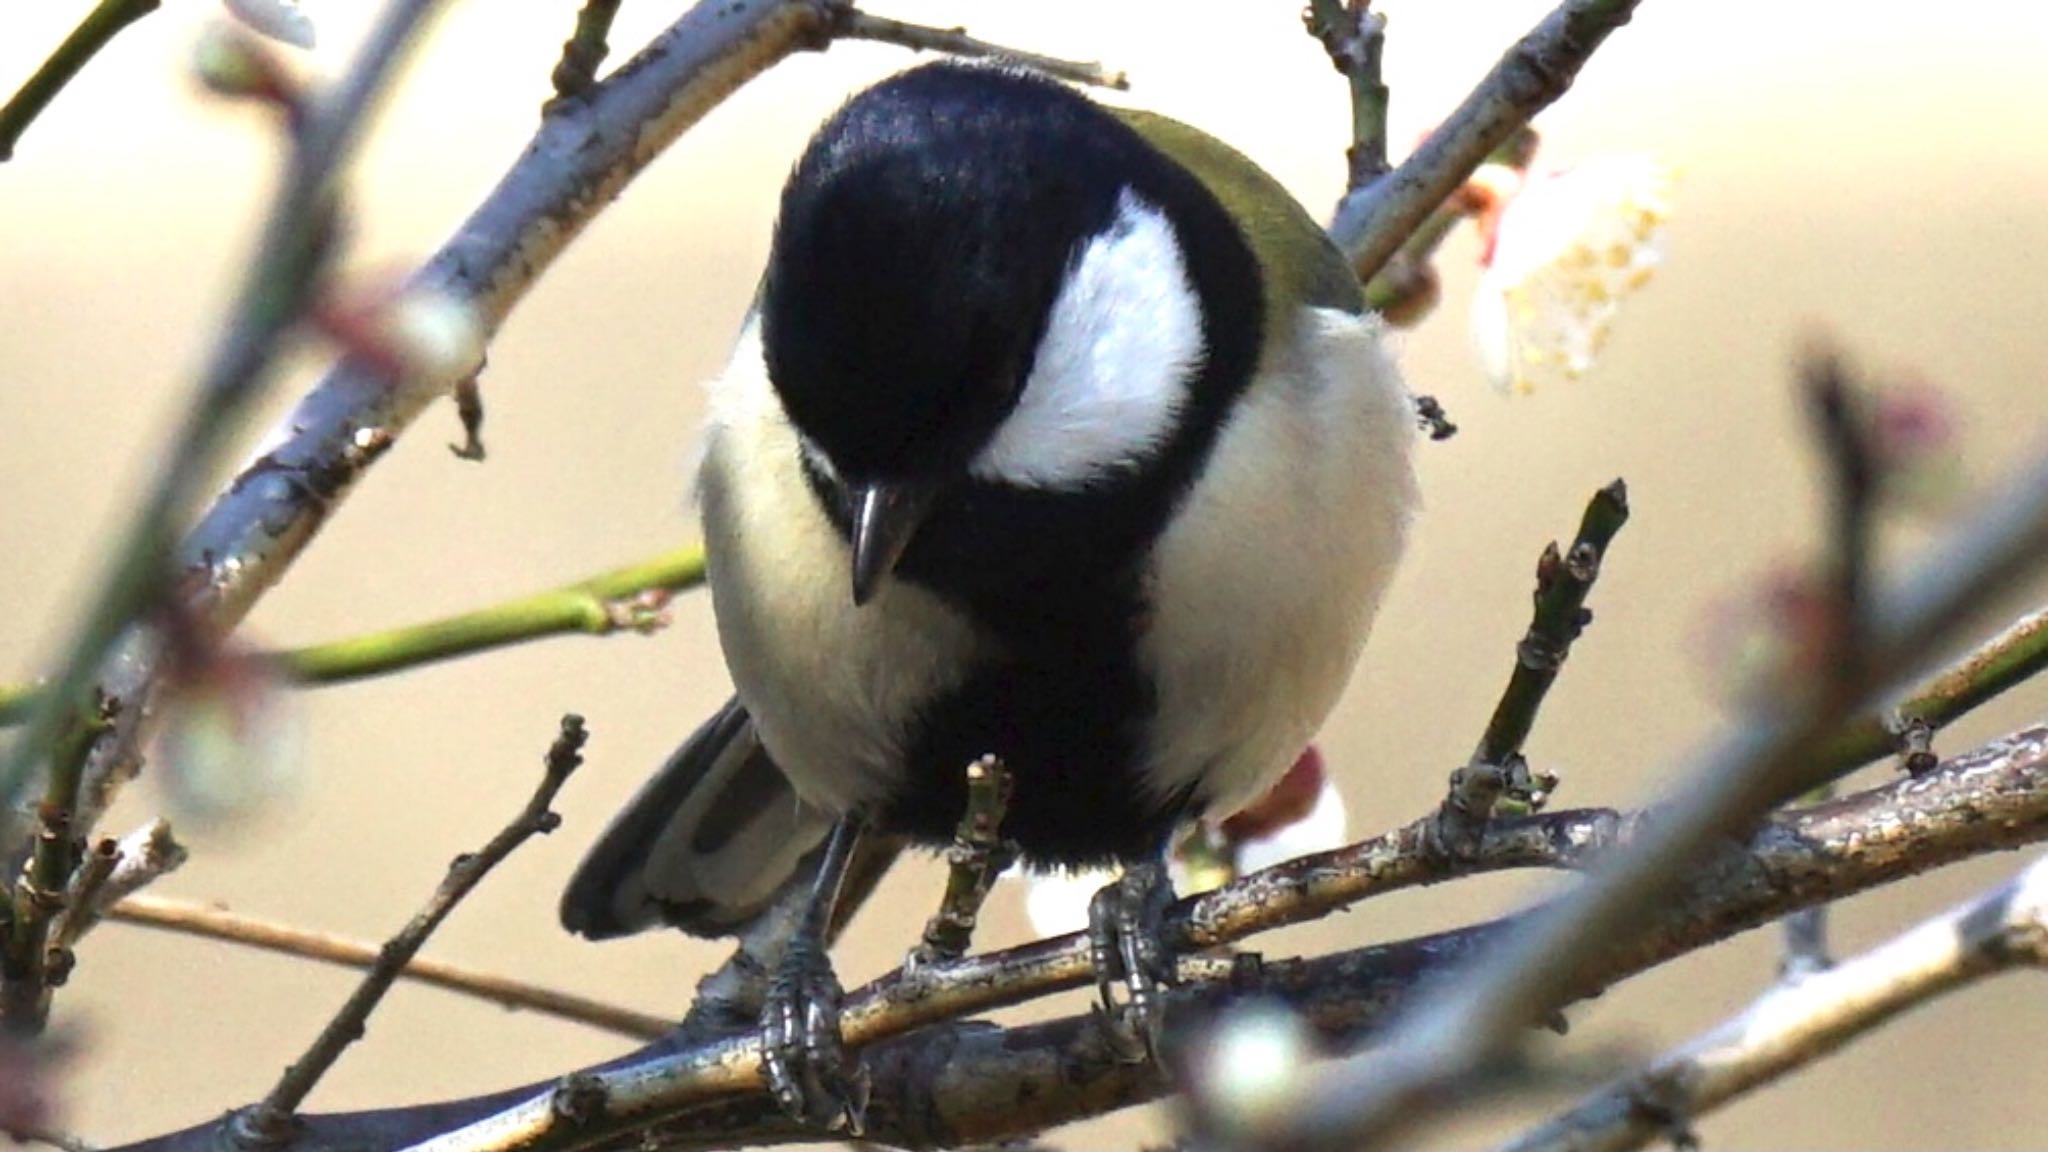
<point x="1566" y="248"/>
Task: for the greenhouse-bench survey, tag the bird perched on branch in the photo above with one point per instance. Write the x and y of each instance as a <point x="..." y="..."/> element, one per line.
<point x="1057" y="432"/>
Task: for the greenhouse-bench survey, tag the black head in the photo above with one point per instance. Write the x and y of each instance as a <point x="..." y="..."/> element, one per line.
<point x="922" y="239"/>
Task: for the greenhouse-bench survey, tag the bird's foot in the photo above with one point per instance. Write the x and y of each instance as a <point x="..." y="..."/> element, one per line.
<point x="802" y="1057"/>
<point x="1127" y="942"/>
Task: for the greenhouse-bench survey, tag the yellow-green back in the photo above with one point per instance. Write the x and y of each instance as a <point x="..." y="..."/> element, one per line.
<point x="1302" y="264"/>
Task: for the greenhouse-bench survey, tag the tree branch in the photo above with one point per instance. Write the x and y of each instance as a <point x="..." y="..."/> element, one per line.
<point x="1355" y="37"/>
<point x="210" y="922"/>
<point x="852" y="24"/>
<point x="1797" y="1023"/>
<point x="269" y="1123"/>
<point x="1563" y="581"/>
<point x="1482" y="1013"/>
<point x="2009" y="659"/>
<point x="973" y="1083"/>
<point x="1374" y="221"/>
<point x="586" y="48"/>
<point x="935" y="1087"/>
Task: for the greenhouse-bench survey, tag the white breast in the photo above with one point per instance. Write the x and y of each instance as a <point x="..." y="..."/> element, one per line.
<point x="829" y="686"/>
<point x="1266" y="582"/>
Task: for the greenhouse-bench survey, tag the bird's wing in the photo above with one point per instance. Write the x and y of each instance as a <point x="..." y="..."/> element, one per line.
<point x="704" y="845"/>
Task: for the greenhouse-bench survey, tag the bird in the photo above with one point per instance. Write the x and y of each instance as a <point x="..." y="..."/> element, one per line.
<point x="1057" y="432"/>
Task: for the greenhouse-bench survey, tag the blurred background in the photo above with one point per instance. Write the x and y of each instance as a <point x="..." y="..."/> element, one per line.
<point x="1871" y="171"/>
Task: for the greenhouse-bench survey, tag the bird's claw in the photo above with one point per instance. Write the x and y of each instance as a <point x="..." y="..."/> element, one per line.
<point x="1126" y="941"/>
<point x="802" y="1058"/>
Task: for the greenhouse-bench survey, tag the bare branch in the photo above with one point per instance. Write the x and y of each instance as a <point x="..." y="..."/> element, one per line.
<point x="934" y="1087"/>
<point x="211" y="922"/>
<point x="29" y="968"/>
<point x="1563" y="581"/>
<point x="1483" y="1013"/>
<point x="972" y="1083"/>
<point x="1797" y="1023"/>
<point x="269" y="1123"/>
<point x="852" y="24"/>
<point x="81" y="899"/>
<point x="1373" y="222"/>
<point x="585" y="49"/>
<point x="1355" y="37"/>
<point x="978" y="855"/>
<point x="144" y="856"/>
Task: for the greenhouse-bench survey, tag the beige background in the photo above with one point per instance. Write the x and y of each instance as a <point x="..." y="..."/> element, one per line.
<point x="1872" y="170"/>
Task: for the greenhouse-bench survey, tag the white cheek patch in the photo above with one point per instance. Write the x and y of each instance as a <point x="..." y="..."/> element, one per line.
<point x="1111" y="376"/>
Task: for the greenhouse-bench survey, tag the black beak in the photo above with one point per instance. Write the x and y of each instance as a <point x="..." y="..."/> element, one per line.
<point x="885" y="516"/>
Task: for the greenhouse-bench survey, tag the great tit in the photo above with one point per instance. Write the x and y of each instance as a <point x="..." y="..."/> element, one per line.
<point x="1058" y="432"/>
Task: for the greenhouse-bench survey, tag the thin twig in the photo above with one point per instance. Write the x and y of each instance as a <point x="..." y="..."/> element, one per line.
<point x="1794" y="1025"/>
<point x="83" y="896"/>
<point x="628" y="599"/>
<point x="1563" y="581"/>
<point x="1483" y="1012"/>
<point x="1842" y="430"/>
<point x="96" y="31"/>
<point x="586" y="48"/>
<point x="853" y="24"/>
<point x="211" y="922"/>
<point x="268" y="1124"/>
<point x="979" y="854"/>
<point x="1373" y="222"/>
<point x="1355" y="37"/>
<point x="26" y="972"/>
<point x="143" y="857"/>
<point x="2012" y="657"/>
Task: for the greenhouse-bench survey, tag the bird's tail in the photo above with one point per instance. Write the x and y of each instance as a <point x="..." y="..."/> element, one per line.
<point x="704" y="845"/>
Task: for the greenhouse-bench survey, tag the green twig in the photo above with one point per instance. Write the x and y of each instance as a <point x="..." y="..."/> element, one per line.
<point x="1563" y="580"/>
<point x="627" y="598"/>
<point x="96" y="31"/>
<point x="586" y="48"/>
<point x="2005" y="661"/>
<point x="39" y="893"/>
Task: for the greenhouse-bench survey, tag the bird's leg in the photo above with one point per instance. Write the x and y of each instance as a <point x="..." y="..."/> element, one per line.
<point x="801" y="1056"/>
<point x="1127" y="941"/>
<point x="979" y="854"/>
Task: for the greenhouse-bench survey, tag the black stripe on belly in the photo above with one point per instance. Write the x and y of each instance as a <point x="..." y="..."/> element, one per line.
<point x="1070" y="731"/>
